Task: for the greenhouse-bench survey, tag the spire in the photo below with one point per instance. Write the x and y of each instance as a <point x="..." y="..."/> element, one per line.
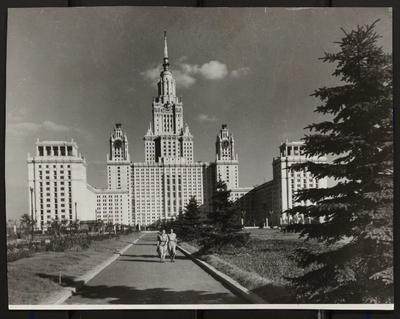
<point x="165" y="45"/>
<point x="149" y="131"/>
<point x="166" y="63"/>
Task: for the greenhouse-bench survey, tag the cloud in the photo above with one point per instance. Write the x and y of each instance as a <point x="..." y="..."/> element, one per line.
<point x="26" y="128"/>
<point x="206" y="118"/>
<point x="214" y="70"/>
<point x="183" y="80"/>
<point x="152" y="74"/>
<point x="187" y="74"/>
<point x="240" y="72"/>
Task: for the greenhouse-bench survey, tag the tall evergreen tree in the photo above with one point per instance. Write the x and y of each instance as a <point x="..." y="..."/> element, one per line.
<point x="190" y="223"/>
<point x="357" y="264"/>
<point x="220" y="206"/>
<point x="224" y="222"/>
<point x="224" y="216"/>
<point x="192" y="213"/>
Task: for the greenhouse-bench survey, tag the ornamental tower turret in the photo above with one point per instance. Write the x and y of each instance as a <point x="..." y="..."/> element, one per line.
<point x="168" y="140"/>
<point x="225" y="145"/>
<point x="118" y="161"/>
<point x="227" y="163"/>
<point x="118" y="145"/>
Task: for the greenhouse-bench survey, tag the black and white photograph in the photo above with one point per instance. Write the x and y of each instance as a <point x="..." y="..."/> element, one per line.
<point x="199" y="158"/>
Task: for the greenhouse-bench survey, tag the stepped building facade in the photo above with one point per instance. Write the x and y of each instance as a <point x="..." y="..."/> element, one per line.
<point x="141" y="193"/>
<point x="266" y="204"/>
<point x="58" y="188"/>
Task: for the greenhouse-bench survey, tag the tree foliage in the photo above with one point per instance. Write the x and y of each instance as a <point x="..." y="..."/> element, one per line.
<point x="26" y="223"/>
<point x="357" y="265"/>
<point x="189" y="223"/>
<point x="224" y="215"/>
<point x="224" y="222"/>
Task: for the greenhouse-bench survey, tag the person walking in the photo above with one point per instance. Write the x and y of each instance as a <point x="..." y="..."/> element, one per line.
<point x="162" y="245"/>
<point x="172" y="241"/>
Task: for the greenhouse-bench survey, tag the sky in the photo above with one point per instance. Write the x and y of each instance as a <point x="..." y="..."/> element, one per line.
<point x="75" y="72"/>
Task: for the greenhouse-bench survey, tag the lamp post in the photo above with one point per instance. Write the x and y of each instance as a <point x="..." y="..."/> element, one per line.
<point x="76" y="217"/>
<point x="31" y="189"/>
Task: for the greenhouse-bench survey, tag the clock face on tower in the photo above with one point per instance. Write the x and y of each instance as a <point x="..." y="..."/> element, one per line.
<point x="118" y="144"/>
<point x="225" y="144"/>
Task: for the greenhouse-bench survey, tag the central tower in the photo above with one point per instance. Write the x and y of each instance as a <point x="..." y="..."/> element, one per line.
<point x="168" y="140"/>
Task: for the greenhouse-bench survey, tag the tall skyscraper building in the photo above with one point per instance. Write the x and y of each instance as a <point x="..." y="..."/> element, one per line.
<point x="169" y="177"/>
<point x="141" y="193"/>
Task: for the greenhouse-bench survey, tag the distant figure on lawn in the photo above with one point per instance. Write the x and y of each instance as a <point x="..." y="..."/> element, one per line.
<point x="172" y="245"/>
<point x="162" y="245"/>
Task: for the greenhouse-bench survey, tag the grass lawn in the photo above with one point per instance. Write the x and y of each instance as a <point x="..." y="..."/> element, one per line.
<point x="268" y="254"/>
<point x="33" y="279"/>
<point x="263" y="265"/>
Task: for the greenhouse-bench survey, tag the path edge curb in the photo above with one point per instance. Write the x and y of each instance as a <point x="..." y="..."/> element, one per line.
<point x="79" y="281"/>
<point x="228" y="281"/>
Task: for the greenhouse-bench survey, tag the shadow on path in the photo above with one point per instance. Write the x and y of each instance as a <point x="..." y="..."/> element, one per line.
<point x="131" y="295"/>
<point x="151" y="256"/>
<point x="141" y="244"/>
<point x="143" y="260"/>
<point x="66" y="281"/>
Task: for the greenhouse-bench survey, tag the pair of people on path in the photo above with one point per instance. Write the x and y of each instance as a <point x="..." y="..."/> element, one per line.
<point x="166" y="242"/>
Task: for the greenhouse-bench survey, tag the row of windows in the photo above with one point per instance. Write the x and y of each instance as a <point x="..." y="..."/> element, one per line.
<point x="294" y="150"/>
<point x="49" y="211"/>
<point x="186" y="192"/>
<point x="55" y="184"/>
<point x="54" y="166"/>
<point x="173" y="170"/>
<point x="55" y="150"/>
<point x="109" y="196"/>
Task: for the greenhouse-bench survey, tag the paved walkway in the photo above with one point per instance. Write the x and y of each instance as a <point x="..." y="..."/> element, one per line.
<point x="138" y="277"/>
